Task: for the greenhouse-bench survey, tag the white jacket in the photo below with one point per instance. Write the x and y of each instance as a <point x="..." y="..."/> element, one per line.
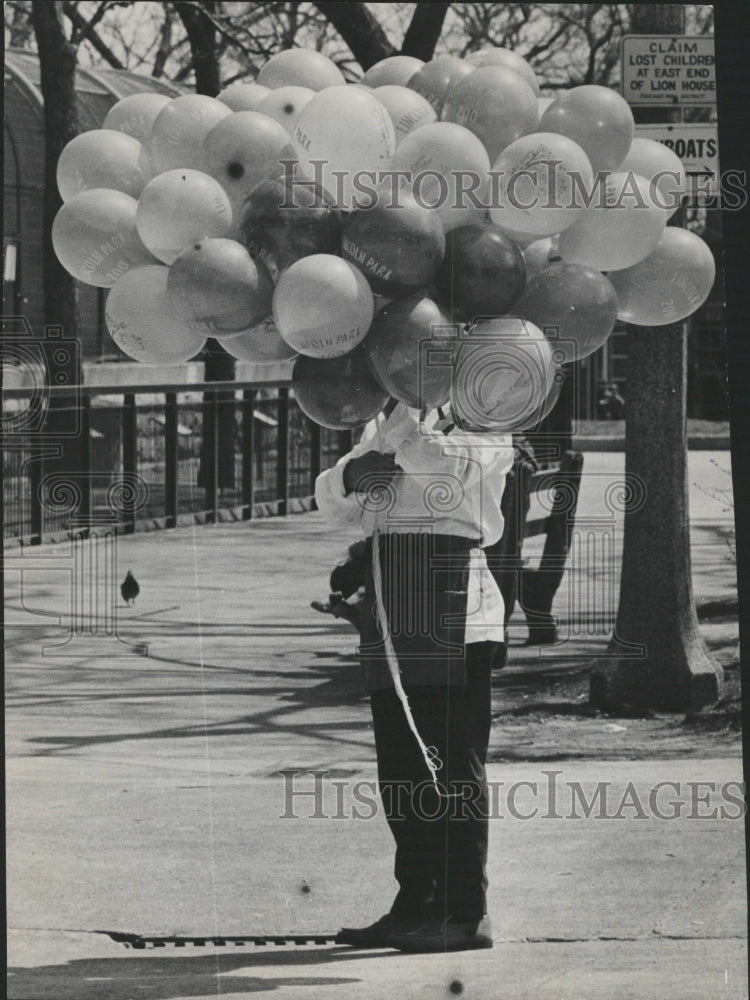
<point x="451" y="484"/>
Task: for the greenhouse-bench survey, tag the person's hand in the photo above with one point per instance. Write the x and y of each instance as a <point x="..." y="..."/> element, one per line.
<point x="369" y="471"/>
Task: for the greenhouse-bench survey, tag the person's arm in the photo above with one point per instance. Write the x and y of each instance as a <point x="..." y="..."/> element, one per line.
<point x="336" y="492"/>
<point x="471" y="457"/>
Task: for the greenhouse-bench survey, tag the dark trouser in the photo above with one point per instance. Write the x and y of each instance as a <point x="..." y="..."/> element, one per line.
<point x="441" y="841"/>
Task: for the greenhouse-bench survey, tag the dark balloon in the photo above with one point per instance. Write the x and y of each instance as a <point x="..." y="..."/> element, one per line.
<point x="574" y="306"/>
<point x="280" y="236"/>
<point x="337" y="392"/>
<point x="409" y="348"/>
<point x="397" y="247"/>
<point x="483" y="272"/>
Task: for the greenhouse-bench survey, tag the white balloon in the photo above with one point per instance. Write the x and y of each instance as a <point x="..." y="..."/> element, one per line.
<point x="242" y="150"/>
<point x="285" y="105"/>
<point x="103" y="158"/>
<point x="662" y="167"/>
<point x="180" y="128"/>
<point x="442" y="161"/>
<point x="323" y="306"/>
<point x="300" y="68"/>
<point x="140" y="319"/>
<point x="262" y="344"/>
<point x="393" y="70"/>
<point x="349" y="129"/>
<point x="509" y="60"/>
<point x="622" y="226"/>
<point x="179" y="207"/>
<point x="95" y="238"/>
<point x="135" y="115"/>
<point x="541" y="181"/>
<point x="243" y="96"/>
<point x="408" y="109"/>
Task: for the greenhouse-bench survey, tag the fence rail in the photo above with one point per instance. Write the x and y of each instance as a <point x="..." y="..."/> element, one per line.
<point x="157" y="455"/>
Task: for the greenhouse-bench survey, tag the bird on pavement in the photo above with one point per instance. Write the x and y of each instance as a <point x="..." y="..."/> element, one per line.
<point x="129" y="588"/>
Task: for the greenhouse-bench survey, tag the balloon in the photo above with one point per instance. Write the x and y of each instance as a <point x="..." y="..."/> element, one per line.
<point x="483" y="273"/>
<point x="261" y="345"/>
<point x="622" y="226"/>
<point x="575" y="307"/>
<point x="408" y="109"/>
<point x="670" y="284"/>
<point x="495" y="104"/>
<point x="180" y="128"/>
<point x="543" y="103"/>
<point x="508" y="60"/>
<point x="103" y="158"/>
<point x="662" y="167"/>
<point x="351" y="131"/>
<point x="504" y="373"/>
<point x="216" y="281"/>
<point x="396" y="70"/>
<point x="95" y="239"/>
<point x="540" y="179"/>
<point x="242" y="150"/>
<point x="409" y="349"/>
<point x="322" y="306"/>
<point x="337" y="392"/>
<point x="141" y="322"/>
<point x="440" y="159"/>
<point x="437" y="78"/>
<point x="243" y="96"/>
<point x="539" y="255"/>
<point x="598" y="119"/>
<point x="278" y="235"/>
<point x="300" y="68"/>
<point x="397" y="244"/>
<point x="286" y="104"/>
<point x="135" y="115"/>
<point x="179" y="207"/>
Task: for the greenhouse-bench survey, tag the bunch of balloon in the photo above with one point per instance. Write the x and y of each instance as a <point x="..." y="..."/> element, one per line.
<point x="434" y="231"/>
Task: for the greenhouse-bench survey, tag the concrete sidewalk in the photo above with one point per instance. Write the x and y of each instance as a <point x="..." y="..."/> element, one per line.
<point x="144" y="793"/>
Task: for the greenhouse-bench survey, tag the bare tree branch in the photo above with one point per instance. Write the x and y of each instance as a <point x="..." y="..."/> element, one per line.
<point x="80" y="24"/>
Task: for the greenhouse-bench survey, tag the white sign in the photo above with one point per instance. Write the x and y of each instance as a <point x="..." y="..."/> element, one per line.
<point x="697" y="146"/>
<point x="668" y="69"/>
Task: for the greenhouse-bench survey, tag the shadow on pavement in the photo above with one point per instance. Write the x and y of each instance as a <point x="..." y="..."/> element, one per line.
<point x="162" y="978"/>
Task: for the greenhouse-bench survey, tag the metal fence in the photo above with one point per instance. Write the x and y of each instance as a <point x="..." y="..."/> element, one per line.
<point x="157" y="456"/>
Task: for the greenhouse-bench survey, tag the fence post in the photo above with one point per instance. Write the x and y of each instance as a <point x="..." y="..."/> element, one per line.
<point x="211" y="454"/>
<point x="282" y="452"/>
<point x="248" y="448"/>
<point x="170" y="459"/>
<point x="316" y="452"/>
<point x="129" y="451"/>
<point x="84" y="510"/>
<point x="36" y="478"/>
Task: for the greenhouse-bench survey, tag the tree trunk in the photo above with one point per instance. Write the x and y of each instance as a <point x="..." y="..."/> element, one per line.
<point x="657" y="656"/>
<point x="57" y="62"/>
<point x="424" y="30"/>
<point x="360" y="30"/>
<point x="218" y="365"/>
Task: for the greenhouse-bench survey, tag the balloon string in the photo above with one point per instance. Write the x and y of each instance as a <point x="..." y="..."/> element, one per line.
<point x="431" y="758"/>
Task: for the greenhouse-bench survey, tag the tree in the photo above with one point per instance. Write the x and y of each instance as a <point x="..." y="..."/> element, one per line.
<point x="57" y="65"/>
<point x="659" y="659"/>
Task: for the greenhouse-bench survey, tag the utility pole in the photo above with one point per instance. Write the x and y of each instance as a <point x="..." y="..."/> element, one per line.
<point x="657" y="658"/>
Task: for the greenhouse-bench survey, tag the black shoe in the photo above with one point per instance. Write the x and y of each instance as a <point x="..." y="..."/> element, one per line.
<point x="375" y="935"/>
<point x="443" y="934"/>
